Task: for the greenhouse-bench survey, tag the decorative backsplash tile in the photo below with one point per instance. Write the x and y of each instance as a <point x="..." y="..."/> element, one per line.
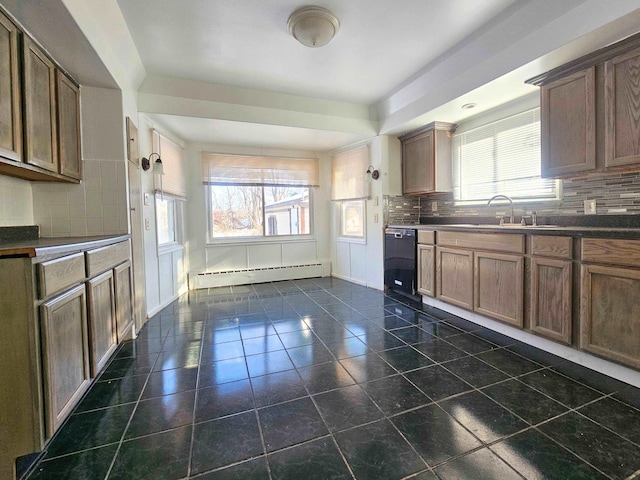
<point x="615" y="194"/>
<point x="401" y="210"/>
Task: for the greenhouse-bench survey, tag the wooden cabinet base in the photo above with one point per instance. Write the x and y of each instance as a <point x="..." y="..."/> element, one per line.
<point x="550" y="299"/>
<point x="610" y="320"/>
<point x="499" y="287"/>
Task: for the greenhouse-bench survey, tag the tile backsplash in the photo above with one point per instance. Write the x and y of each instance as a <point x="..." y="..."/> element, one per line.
<point x="96" y="206"/>
<point x="615" y="194"/>
<point x="16" y="202"/>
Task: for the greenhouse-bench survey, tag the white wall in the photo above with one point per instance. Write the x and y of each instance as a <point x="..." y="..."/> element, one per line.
<point x="362" y="262"/>
<point x="236" y="255"/>
<point x="165" y="271"/>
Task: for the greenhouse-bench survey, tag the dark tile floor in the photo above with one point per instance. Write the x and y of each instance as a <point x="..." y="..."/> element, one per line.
<point x="323" y="379"/>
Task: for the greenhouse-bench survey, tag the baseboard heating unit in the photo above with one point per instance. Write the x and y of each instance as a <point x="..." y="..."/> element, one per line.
<point x="259" y="275"/>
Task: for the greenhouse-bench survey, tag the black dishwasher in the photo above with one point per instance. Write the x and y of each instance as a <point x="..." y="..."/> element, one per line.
<point x="400" y="259"/>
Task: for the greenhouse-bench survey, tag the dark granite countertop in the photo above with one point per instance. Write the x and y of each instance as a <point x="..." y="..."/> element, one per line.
<point x="569" y="231"/>
<point x="53" y="246"/>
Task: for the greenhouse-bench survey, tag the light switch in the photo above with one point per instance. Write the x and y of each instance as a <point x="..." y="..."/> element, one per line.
<point x="375" y="218"/>
<point x="375" y="201"/>
<point x="147" y="225"/>
<point x="147" y="199"/>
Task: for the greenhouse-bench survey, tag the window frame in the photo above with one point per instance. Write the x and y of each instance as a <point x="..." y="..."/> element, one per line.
<point x="264" y="238"/>
<point x="496" y="166"/>
<point x="340" y="222"/>
<point x="178" y="242"/>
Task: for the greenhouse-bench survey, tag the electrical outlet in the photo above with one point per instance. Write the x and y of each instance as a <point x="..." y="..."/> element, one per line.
<point x="375" y="201"/>
<point x="147" y="225"/>
<point x="590" y="207"/>
<point x="147" y="199"/>
<point x="375" y="218"/>
<point x="434" y="206"/>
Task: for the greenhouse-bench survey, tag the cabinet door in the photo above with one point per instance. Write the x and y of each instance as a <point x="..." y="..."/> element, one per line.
<point x="10" y="114"/>
<point x="551" y="298"/>
<point x="499" y="286"/>
<point x="568" y="118"/>
<point x="69" y="127"/>
<point x="418" y="175"/>
<point x="622" y="110"/>
<point x="102" y="320"/>
<point x="40" y="108"/>
<point x="124" y="298"/>
<point x="426" y="269"/>
<point x="454" y="282"/>
<point x="609" y="319"/>
<point x="65" y="354"/>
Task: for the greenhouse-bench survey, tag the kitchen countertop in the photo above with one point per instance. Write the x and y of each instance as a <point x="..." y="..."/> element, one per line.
<point x="569" y="231"/>
<point x="54" y="246"/>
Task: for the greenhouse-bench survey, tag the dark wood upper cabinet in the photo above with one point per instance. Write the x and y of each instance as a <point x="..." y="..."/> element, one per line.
<point x="568" y="114"/>
<point x="426" y="159"/>
<point x="40" y="108"/>
<point x="10" y="108"/>
<point x="622" y="109"/>
<point x="69" y="127"/>
<point x="590" y="112"/>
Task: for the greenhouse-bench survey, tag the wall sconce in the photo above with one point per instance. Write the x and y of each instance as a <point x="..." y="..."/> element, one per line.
<point x="371" y="173"/>
<point x="157" y="165"/>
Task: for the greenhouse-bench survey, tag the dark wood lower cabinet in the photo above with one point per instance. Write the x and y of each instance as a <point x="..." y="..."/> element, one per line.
<point x="123" y="276"/>
<point x="610" y="315"/>
<point x="454" y="283"/>
<point x="102" y="320"/>
<point x="427" y="270"/>
<point x="65" y="354"/>
<point x="499" y="285"/>
<point x="550" y="301"/>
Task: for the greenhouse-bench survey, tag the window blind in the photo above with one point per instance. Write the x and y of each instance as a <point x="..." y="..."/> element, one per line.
<point x="173" y="181"/>
<point x="502" y="157"/>
<point x="259" y="171"/>
<point x="348" y="177"/>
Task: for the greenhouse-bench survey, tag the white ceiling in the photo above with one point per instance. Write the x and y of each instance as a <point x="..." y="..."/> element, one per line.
<point x="246" y="43"/>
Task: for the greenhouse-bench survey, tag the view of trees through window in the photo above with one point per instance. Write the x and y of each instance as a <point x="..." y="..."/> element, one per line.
<point x="248" y="211"/>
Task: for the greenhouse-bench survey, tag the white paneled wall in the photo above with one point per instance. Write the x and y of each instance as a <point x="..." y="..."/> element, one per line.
<point x="16" y="203"/>
<point x="223" y="257"/>
<point x="97" y="206"/>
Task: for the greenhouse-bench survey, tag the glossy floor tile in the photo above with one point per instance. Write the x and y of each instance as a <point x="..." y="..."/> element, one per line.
<point x="323" y="379"/>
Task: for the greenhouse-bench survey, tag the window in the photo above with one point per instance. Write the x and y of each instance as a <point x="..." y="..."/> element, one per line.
<point x="256" y="197"/>
<point x="244" y="211"/>
<point x="352" y="219"/>
<point x="350" y="188"/>
<point x="502" y="157"/>
<point x="166" y="221"/>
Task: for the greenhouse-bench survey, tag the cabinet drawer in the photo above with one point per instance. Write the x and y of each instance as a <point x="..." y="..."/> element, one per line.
<point x="425" y="236"/>
<point x="102" y="259"/>
<point x="611" y="251"/>
<point x="56" y="275"/>
<point x="556" y="247"/>
<point x="501" y="242"/>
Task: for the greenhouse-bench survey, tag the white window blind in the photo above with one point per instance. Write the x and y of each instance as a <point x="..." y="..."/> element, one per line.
<point x="348" y="174"/>
<point x="259" y="171"/>
<point x="502" y="157"/>
<point x="173" y="181"/>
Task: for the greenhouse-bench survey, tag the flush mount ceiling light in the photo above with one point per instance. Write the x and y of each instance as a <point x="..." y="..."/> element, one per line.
<point x="469" y="106"/>
<point x="313" y="26"/>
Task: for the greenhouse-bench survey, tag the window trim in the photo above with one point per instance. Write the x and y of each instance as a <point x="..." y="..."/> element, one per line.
<point x="547" y="201"/>
<point x="178" y="224"/>
<point x="351" y="239"/>
<point x="263" y="239"/>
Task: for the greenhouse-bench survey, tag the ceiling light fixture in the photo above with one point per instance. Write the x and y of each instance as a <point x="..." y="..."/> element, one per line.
<point x="313" y="26"/>
<point x="469" y="106"/>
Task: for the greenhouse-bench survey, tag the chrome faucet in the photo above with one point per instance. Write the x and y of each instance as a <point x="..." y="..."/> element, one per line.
<point x="511" y="218"/>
